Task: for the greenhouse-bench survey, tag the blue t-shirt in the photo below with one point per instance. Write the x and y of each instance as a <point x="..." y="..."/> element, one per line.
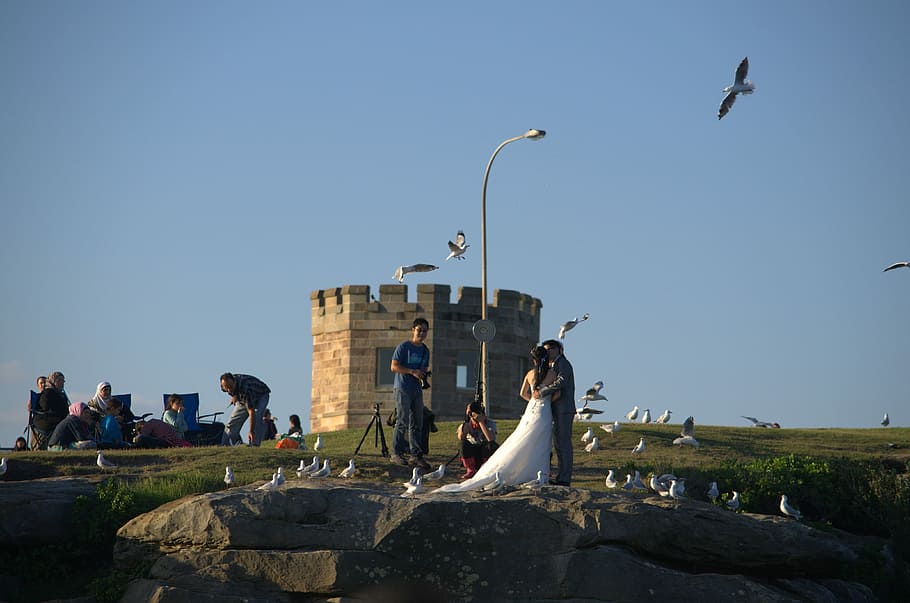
<point x="110" y="430"/>
<point x="413" y="357"/>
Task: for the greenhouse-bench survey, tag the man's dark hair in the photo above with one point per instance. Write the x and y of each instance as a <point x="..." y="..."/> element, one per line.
<point x="552" y="342"/>
<point x="420" y="322"/>
<point x="228" y="377"/>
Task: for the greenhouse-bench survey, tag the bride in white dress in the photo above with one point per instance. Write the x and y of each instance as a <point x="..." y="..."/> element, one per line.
<point x="527" y="450"/>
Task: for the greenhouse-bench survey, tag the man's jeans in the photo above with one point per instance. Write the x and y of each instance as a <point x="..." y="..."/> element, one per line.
<point x="239" y="416"/>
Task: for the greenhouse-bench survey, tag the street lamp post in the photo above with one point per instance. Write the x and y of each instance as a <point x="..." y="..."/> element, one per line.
<point x="484" y="377"/>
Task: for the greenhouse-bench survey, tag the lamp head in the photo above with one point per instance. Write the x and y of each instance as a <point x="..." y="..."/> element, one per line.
<point x="535" y="134"/>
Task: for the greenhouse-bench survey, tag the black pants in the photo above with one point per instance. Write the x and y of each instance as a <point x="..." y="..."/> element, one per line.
<point x="479" y="452"/>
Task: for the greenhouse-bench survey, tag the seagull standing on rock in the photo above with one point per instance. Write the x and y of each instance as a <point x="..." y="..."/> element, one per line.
<point x="271" y="484"/>
<point x="787" y="510"/>
<point x="324" y="472"/>
<point x="314" y="466"/>
<point x="540" y="480"/>
<point x="440" y="471"/>
<point x="740" y="86"/>
<point x="348" y="471"/>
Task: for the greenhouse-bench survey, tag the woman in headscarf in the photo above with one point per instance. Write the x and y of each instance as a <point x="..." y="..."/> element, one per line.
<point x="98" y="404"/>
<point x="74" y="431"/>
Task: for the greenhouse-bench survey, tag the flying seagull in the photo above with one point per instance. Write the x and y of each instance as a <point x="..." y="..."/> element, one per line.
<point x="593" y="394"/>
<point x="757" y="423"/>
<point x="740" y="86"/>
<point x="787" y="510"/>
<point x="457" y="248"/>
<point x="568" y="326"/>
<point x="897" y="265"/>
<point x="886" y="421"/>
<point x="688" y="428"/>
<point x="403" y="270"/>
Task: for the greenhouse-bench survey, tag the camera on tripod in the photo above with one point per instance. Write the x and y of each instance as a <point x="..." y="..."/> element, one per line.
<point x="425" y="382"/>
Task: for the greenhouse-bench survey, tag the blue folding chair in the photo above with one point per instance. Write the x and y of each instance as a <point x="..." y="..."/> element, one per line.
<point x="200" y="433"/>
<point x="38" y="436"/>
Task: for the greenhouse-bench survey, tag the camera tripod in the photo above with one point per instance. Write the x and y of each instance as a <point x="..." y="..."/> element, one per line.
<point x="378" y="436"/>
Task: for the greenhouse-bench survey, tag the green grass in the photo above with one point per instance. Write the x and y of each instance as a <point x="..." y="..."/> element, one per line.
<point x="855" y="479"/>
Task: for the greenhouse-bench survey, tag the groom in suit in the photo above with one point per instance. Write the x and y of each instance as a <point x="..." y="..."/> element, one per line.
<point x="563" y="410"/>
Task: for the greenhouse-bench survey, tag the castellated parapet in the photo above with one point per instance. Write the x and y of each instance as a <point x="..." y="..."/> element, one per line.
<point x="354" y="335"/>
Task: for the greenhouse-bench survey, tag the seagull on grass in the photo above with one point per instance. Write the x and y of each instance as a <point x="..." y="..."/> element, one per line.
<point x="897" y="265"/>
<point x="324" y="472"/>
<point x="568" y="326"/>
<point x="632" y="414"/>
<point x="415" y="475"/>
<point x="636" y="481"/>
<point x="587" y="436"/>
<point x="314" y="466"/>
<point x="228" y="476"/>
<point x="688" y="427"/>
<point x="457" y="248"/>
<point x="640" y="447"/>
<point x="317" y="445"/>
<point x="401" y="271"/>
<point x="646" y="416"/>
<point x="280" y="476"/>
<point x="103" y="462"/>
<point x="348" y="471"/>
<point x="665" y="418"/>
<point x="686" y="441"/>
<point x="610" y="482"/>
<point x="733" y="503"/>
<point x="592" y="445"/>
<point x="740" y="86"/>
<point x="787" y="510"/>
<point x="611" y="428"/>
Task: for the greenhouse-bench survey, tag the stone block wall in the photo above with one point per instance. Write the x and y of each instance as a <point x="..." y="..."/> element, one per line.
<point x="349" y="325"/>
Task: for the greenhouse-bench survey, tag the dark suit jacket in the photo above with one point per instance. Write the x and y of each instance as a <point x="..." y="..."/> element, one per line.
<point x="565" y="383"/>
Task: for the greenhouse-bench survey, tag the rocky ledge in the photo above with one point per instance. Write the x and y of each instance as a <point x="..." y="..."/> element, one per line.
<point x="310" y="542"/>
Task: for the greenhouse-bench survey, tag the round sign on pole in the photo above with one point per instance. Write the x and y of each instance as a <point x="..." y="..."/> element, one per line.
<point x="484" y="331"/>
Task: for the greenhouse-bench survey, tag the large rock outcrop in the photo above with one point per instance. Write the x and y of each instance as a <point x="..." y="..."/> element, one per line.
<point x="314" y="542"/>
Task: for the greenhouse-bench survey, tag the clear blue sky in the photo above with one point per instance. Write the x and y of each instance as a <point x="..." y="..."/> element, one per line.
<point x="177" y="177"/>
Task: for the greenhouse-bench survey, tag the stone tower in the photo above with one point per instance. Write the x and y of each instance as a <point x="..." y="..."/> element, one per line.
<point x="354" y="335"/>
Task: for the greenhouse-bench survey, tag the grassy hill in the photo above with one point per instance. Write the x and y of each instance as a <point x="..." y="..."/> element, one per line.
<point x="852" y="479"/>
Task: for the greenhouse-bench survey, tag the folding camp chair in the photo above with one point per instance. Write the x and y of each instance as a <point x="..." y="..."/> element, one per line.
<point x="37" y="437"/>
<point x="199" y="433"/>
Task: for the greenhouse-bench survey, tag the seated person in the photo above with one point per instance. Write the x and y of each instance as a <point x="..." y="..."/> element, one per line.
<point x="111" y="435"/>
<point x="268" y="423"/>
<point x="98" y="403"/>
<point x="294" y="427"/>
<point x="477" y="439"/>
<point x="173" y="416"/>
<point x="155" y="433"/>
<point x="52" y="407"/>
<point x="74" y="431"/>
<point x="21" y="445"/>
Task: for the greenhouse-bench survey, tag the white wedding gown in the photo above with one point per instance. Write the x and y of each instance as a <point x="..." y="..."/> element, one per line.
<point x="525" y="452"/>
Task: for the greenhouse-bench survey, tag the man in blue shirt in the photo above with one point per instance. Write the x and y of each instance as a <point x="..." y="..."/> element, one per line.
<point x="410" y="363"/>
